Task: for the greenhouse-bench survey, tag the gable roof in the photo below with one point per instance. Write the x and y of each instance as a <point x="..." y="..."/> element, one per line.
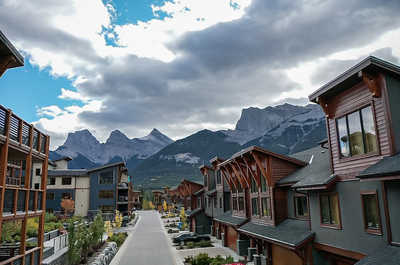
<point x="228" y="218"/>
<point x="388" y="255"/>
<point x="351" y="77"/>
<point x="316" y="174"/>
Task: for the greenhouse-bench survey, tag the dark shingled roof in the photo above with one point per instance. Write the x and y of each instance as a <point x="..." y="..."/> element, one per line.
<point x="387" y="166"/>
<point x="195" y="212"/>
<point x="290" y="232"/>
<point x="7" y="49"/>
<point x="316" y="173"/>
<point x="67" y="172"/>
<point x="227" y="218"/>
<point x="387" y="256"/>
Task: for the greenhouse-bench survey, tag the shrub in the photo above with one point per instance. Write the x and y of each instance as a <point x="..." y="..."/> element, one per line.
<point x="190" y="244"/>
<point x="118" y="238"/>
<point x="50" y="218"/>
<point x="204" y="244"/>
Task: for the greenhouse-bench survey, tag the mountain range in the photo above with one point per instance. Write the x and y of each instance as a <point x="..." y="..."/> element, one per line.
<point x="156" y="160"/>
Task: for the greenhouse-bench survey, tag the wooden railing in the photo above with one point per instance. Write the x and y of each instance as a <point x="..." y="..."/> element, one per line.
<point x="20" y="131"/>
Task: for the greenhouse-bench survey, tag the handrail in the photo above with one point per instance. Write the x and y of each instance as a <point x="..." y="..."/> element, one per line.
<point x="20" y="131"/>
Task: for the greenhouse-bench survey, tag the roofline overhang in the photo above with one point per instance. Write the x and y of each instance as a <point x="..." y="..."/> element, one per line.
<point x="263" y="151"/>
<point x="18" y="58"/>
<point x="246" y="220"/>
<point x="280" y="242"/>
<point x="379" y="177"/>
<point x="369" y="62"/>
<point x="324" y="186"/>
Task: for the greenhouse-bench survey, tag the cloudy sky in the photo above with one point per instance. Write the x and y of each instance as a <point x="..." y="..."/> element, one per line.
<point x="181" y="65"/>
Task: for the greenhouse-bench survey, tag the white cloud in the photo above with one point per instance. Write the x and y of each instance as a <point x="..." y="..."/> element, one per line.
<point x="71" y="95"/>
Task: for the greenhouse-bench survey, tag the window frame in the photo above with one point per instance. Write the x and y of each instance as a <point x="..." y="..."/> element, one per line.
<point x="333" y="226"/>
<point x="49" y="182"/>
<point x="358" y="109"/>
<point x="106" y="191"/>
<point x="112" y="174"/>
<point x="50" y="193"/>
<point x="64" y="178"/>
<point x="366" y="228"/>
<point x="38" y="170"/>
<point x="295" y="196"/>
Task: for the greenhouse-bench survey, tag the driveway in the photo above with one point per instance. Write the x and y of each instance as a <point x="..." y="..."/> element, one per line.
<point x="147" y="244"/>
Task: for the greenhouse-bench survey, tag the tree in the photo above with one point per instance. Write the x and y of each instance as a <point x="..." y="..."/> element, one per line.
<point x="145" y="204"/>
<point x="165" y="206"/>
<point x="97" y="230"/>
<point x="74" y="248"/>
<point x="68" y="205"/>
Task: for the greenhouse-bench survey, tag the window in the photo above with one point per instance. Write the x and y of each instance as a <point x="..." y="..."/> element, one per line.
<point x="36" y="186"/>
<point x="205" y="180"/>
<point x="215" y="202"/>
<point x="241" y="203"/>
<point x="66" y="181"/>
<point x="330" y="212"/>
<point x="356" y="132"/>
<point x="372" y="219"/>
<point x="106" y="194"/>
<point x="106" y="208"/>
<point x="106" y="178"/>
<point x="301" y="205"/>
<point x="220" y="203"/>
<point x="263" y="184"/>
<point x="254" y="187"/>
<point x="266" y="207"/>
<point x="198" y="203"/>
<point x="51" y="181"/>
<point x="66" y="195"/>
<point x="235" y="203"/>
<point x="38" y="172"/>
<point x="219" y="177"/>
<point x="50" y="196"/>
<point x="254" y="206"/>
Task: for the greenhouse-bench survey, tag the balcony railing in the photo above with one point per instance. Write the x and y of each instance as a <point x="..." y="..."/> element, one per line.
<point x="21" y="132"/>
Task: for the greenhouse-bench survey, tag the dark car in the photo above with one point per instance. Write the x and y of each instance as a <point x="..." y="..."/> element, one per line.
<point x="190" y="237"/>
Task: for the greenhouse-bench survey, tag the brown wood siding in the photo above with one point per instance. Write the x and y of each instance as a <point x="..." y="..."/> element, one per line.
<point x="284" y="256"/>
<point x="281" y="207"/>
<point x="231" y="238"/>
<point x="346" y="102"/>
<point x="281" y="168"/>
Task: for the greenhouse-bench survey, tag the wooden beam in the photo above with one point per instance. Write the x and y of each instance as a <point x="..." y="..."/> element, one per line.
<point x="4" y="162"/>
<point x="5" y="63"/>
<point x="243" y="184"/>
<point x="242" y="173"/>
<point x="260" y="166"/>
<point x="226" y="178"/>
<point x="233" y="180"/>
<point x="325" y="107"/>
<point x="372" y="83"/>
<point x="254" y="175"/>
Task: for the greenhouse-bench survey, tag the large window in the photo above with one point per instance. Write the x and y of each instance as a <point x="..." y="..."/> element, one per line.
<point x="215" y="202"/>
<point x="235" y="203"/>
<point x="219" y="181"/>
<point x="241" y="203"/>
<point x="255" y="206"/>
<point x="330" y="211"/>
<point x="106" y="178"/>
<point x="106" y="208"/>
<point x="266" y="207"/>
<point x="50" y="196"/>
<point x="264" y="185"/>
<point x="301" y="205"/>
<point x="106" y="194"/>
<point x="357" y="134"/>
<point x="66" y="181"/>
<point x="254" y="187"/>
<point x="372" y="219"/>
<point x="51" y="181"/>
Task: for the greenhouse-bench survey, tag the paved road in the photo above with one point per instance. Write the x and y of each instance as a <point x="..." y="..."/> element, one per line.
<point x="148" y="244"/>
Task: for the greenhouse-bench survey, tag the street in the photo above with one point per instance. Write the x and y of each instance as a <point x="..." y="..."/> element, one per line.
<point x="148" y="244"/>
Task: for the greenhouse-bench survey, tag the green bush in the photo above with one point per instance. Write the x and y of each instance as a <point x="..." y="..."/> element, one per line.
<point x="118" y="238"/>
<point x="204" y="244"/>
<point x="190" y="245"/>
<point x="50" y="218"/>
<point x="204" y="259"/>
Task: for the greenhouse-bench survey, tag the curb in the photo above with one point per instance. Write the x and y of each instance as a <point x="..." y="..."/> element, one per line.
<point x="178" y="260"/>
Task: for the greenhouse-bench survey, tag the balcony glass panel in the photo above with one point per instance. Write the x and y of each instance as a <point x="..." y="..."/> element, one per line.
<point x="21" y="200"/>
<point x="25" y="134"/>
<point x="3" y="116"/>
<point x="39" y="203"/>
<point x="9" y="201"/>
<point x="28" y="259"/>
<point x="14" y="127"/>
<point x="31" y="201"/>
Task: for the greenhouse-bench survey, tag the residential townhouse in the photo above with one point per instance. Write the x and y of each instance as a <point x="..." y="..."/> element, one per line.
<point x="21" y="145"/>
<point x="106" y="188"/>
<point x="334" y="203"/>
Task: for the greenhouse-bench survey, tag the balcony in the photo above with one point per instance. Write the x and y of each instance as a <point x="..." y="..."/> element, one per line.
<point x="123" y="186"/>
<point x="21" y="134"/>
<point x="122" y="199"/>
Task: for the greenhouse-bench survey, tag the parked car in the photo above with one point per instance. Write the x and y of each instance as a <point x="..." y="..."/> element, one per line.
<point x="190" y="237"/>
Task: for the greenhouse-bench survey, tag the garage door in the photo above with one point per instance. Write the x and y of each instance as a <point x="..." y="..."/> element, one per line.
<point x="284" y="256"/>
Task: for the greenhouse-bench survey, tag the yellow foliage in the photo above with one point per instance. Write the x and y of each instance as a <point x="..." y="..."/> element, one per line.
<point x="165" y="206"/>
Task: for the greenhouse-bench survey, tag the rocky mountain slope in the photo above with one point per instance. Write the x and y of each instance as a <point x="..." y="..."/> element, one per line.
<point x="155" y="160"/>
<point x="118" y="146"/>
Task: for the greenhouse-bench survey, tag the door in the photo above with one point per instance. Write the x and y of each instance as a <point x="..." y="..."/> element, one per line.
<point x="393" y="200"/>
